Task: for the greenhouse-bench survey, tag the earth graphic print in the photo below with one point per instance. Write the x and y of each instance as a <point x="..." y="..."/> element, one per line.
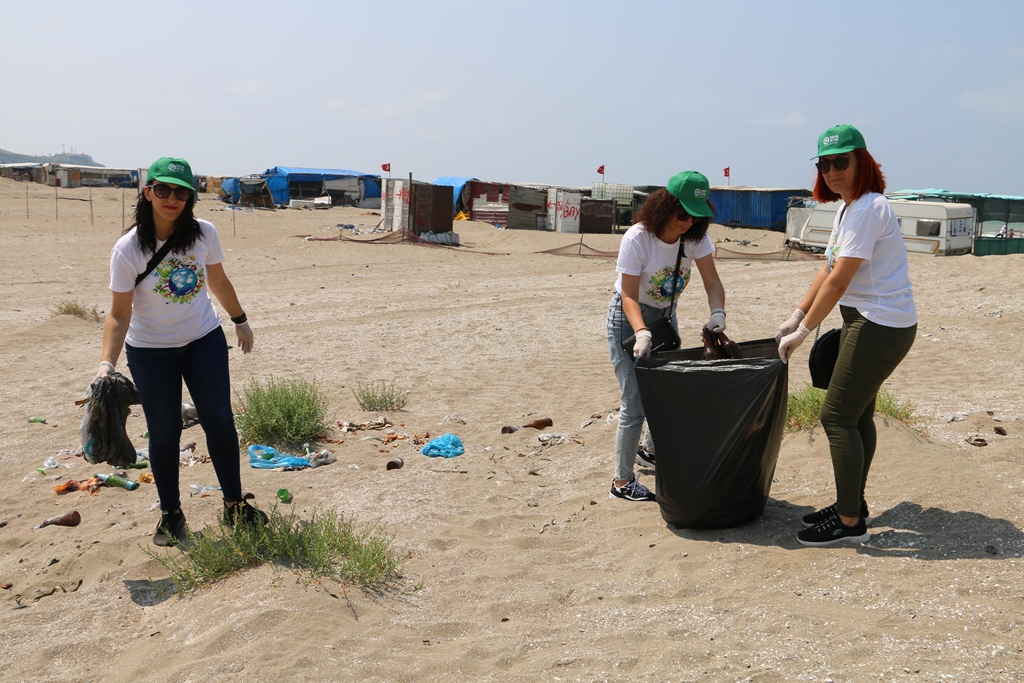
<point x="180" y="280"/>
<point x="662" y="283"/>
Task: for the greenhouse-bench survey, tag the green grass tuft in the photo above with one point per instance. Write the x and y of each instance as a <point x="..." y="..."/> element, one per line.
<point x="804" y="408"/>
<point x="78" y="310"/>
<point x="326" y="546"/>
<point x="381" y="397"/>
<point x="281" y="412"/>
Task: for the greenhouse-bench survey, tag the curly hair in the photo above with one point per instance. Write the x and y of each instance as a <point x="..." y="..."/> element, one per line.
<point x="869" y="179"/>
<point x="186" y="227"/>
<point x="661" y="208"/>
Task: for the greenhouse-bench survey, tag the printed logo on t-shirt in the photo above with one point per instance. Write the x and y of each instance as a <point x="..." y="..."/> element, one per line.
<point x="179" y="280"/>
<point x="661" y="284"/>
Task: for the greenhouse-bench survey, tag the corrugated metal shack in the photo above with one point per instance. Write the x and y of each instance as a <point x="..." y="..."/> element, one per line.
<point x="754" y="207"/>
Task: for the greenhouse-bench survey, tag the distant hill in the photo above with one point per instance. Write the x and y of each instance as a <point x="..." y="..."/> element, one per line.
<point x="76" y="159"/>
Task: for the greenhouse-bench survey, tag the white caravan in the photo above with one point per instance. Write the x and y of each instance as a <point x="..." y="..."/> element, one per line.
<point x="934" y="228"/>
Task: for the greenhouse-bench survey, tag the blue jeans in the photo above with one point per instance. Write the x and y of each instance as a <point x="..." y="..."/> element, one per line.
<point x="631" y="410"/>
<point x="158" y="373"/>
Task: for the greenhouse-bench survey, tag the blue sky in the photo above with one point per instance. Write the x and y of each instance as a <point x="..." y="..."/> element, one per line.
<point x="519" y="90"/>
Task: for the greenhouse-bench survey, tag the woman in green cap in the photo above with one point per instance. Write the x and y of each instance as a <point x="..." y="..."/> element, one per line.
<point x="866" y="273"/>
<point x="163" y="270"/>
<point x="655" y="258"/>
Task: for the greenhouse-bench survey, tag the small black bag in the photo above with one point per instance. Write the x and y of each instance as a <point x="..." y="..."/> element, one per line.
<point x="663" y="337"/>
<point x="822" y="359"/>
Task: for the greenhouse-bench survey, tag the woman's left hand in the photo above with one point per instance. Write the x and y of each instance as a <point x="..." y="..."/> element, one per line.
<point x="791" y="341"/>
<point x="245" y="337"/>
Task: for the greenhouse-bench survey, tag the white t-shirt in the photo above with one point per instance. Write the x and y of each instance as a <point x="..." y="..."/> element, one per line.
<point x="171" y="306"/>
<point x="880" y="290"/>
<point x="644" y="254"/>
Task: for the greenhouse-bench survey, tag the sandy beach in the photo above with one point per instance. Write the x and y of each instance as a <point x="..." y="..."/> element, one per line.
<point x="518" y="566"/>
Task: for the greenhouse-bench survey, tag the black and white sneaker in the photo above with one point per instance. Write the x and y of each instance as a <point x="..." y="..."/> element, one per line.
<point x="171" y="530"/>
<point x="644" y="457"/>
<point x="833" y="531"/>
<point x="816" y="518"/>
<point x="632" y="490"/>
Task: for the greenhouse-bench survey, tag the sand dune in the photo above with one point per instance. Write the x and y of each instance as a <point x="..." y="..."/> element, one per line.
<point x="526" y="569"/>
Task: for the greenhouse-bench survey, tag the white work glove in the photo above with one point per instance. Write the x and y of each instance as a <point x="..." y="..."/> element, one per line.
<point x="789" y="327"/>
<point x="717" y="321"/>
<point x="106" y="367"/>
<point x="792" y="340"/>
<point x="245" y="337"/>
<point x="642" y="345"/>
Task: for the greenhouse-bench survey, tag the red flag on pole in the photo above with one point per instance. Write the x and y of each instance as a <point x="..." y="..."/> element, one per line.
<point x="726" y="171"/>
<point x="600" y="169"/>
<point x="387" y="167"/>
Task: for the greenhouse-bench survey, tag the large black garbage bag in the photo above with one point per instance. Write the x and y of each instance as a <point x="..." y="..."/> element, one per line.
<point x="717" y="427"/>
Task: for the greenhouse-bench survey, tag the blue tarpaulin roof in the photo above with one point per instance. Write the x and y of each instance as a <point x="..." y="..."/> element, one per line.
<point x="457" y="183"/>
<point x="311" y="175"/>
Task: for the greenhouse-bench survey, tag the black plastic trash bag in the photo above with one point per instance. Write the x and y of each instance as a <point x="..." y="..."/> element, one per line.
<point x="717" y="428"/>
<point x="104" y="438"/>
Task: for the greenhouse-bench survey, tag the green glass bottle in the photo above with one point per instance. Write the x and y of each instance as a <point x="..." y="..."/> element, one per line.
<point x="117" y="480"/>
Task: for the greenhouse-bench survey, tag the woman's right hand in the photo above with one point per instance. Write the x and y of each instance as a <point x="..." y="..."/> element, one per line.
<point x="104" y="370"/>
<point x="789" y="327"/>
<point x="642" y="345"/>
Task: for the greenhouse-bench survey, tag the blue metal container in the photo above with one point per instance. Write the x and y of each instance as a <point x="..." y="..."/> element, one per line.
<point x="753" y="207"/>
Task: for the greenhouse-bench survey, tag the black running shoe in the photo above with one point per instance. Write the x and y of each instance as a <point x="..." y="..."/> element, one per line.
<point x="171" y="530"/>
<point x="644" y="457"/>
<point x="821" y="515"/>
<point x="632" y="490"/>
<point x="833" y="531"/>
<point x="245" y="513"/>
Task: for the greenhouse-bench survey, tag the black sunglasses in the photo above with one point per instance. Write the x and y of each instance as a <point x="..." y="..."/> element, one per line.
<point x="164" y="191"/>
<point x="841" y="163"/>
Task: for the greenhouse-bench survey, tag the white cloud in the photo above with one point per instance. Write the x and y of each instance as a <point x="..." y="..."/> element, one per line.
<point x="781" y="119"/>
<point x="1005" y="101"/>
<point x="253" y="86"/>
<point x="401" y="107"/>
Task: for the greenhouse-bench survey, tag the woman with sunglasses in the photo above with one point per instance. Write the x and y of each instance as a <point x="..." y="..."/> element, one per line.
<point x="672" y="219"/>
<point x="866" y="273"/>
<point x="163" y="270"/>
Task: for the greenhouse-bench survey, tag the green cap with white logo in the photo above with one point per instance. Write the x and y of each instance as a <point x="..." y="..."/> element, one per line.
<point x="171" y="170"/>
<point x="839" y="140"/>
<point x="691" y="189"/>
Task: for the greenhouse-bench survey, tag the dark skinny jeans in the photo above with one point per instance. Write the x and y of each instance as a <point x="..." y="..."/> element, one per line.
<point x="158" y="374"/>
<point x="868" y="354"/>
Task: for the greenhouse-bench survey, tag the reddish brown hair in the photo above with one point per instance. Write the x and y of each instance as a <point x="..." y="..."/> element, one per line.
<point x="869" y="179"/>
<point x="659" y="210"/>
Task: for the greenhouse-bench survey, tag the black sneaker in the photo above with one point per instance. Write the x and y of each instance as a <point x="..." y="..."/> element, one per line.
<point x="821" y="515"/>
<point x="632" y="490"/>
<point x="171" y="530"/>
<point x="833" y="531"/>
<point x="644" y="457"/>
<point x="245" y="513"/>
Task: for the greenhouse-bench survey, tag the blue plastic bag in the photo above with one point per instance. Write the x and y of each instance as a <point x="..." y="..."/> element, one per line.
<point x="446" y="446"/>
<point x="268" y="458"/>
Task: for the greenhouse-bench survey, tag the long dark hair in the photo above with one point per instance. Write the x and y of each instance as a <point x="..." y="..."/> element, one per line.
<point x="186" y="227"/>
<point x="661" y="207"/>
<point x="869" y="179"/>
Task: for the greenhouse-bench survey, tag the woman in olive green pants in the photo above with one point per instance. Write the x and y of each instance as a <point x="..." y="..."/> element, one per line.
<point x="867" y="274"/>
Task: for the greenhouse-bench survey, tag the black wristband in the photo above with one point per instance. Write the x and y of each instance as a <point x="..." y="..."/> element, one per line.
<point x="240" y="319"/>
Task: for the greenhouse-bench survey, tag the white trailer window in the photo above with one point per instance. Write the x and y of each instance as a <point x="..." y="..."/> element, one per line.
<point x="928" y="228"/>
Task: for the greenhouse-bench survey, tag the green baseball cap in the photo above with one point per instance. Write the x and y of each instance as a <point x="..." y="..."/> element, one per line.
<point x="691" y="189"/>
<point x="171" y="170"/>
<point x="839" y="140"/>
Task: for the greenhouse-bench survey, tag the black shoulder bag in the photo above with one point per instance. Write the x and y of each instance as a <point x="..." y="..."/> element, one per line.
<point x="154" y="262"/>
<point x="821" y="361"/>
<point x="663" y="336"/>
